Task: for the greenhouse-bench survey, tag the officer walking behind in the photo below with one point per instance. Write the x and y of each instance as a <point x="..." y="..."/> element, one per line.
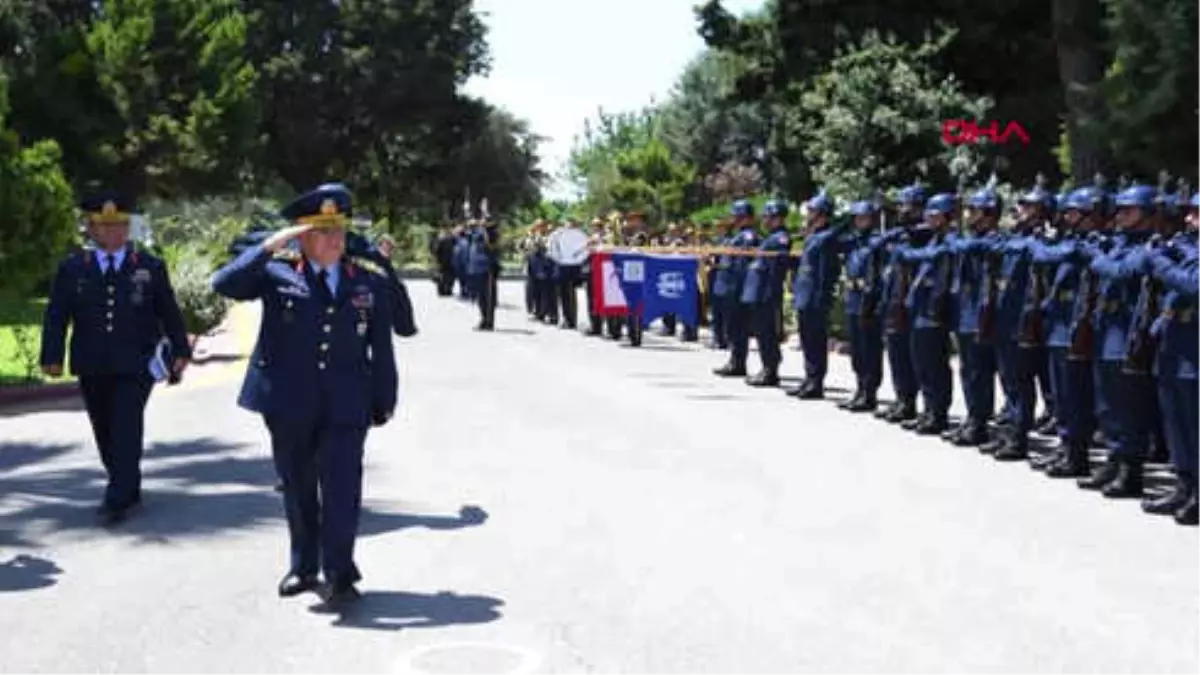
<point x="975" y="279"/>
<point x="462" y="246"/>
<point x="568" y="277"/>
<point x="897" y="327"/>
<point x="443" y="255"/>
<point x="812" y="293"/>
<point x="324" y="374"/>
<point x="1176" y="267"/>
<point x="763" y="292"/>
<point x="483" y="270"/>
<point x="931" y="311"/>
<point x="731" y="275"/>
<point x="119" y="302"/>
<point x="1126" y="393"/>
<point x="864" y="329"/>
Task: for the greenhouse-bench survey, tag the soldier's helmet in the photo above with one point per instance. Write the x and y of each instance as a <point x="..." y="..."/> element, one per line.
<point x="984" y="200"/>
<point x="1084" y="200"/>
<point x="864" y="208"/>
<point x="821" y="203"/>
<point x="941" y="204"/>
<point x="1136" y="197"/>
<point x="911" y="195"/>
<point x="742" y="209"/>
<point x="776" y="208"/>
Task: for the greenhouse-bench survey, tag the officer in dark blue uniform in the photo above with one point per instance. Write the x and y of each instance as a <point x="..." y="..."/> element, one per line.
<point x="727" y="288"/>
<point x="358" y="247"/>
<point x="1064" y="308"/>
<point x="722" y="238"/>
<point x="763" y="292"/>
<point x="864" y="328"/>
<point x="897" y="278"/>
<point x="931" y="308"/>
<point x="1176" y="267"/>
<point x="1126" y="395"/>
<point x="812" y="293"/>
<point x="975" y="279"/>
<point x="118" y="303"/>
<point x="483" y="269"/>
<point x="323" y="374"/>
<point x="462" y="245"/>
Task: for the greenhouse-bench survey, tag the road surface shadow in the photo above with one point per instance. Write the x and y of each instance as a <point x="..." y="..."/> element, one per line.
<point x="514" y="331"/>
<point x="397" y="610"/>
<point x="66" y="402"/>
<point x="27" y="573"/>
<point x="373" y="522"/>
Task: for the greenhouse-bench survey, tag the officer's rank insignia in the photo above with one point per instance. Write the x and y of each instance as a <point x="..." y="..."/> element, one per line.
<point x="363" y="298"/>
<point x="141" y="276"/>
<point x="369" y="266"/>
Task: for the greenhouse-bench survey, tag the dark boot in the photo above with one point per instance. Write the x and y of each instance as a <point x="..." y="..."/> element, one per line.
<point x="731" y="369"/>
<point x="999" y="440"/>
<point x="1171" y="502"/>
<point x="1128" y="482"/>
<point x="1043" y="461"/>
<point x="934" y="424"/>
<point x="1074" y="462"/>
<point x="810" y="391"/>
<point x="1015" y="449"/>
<point x="912" y="423"/>
<point x="1186" y="515"/>
<point x="886" y="413"/>
<point x="905" y="411"/>
<point x="852" y="401"/>
<point x="867" y="404"/>
<point x="975" y="434"/>
<point x="1102" y="476"/>
<point x="951" y="435"/>
<point x="1046" y="425"/>
<point x="795" y="391"/>
<point x="767" y="377"/>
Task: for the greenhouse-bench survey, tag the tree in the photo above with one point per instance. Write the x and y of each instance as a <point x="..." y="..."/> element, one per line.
<point x="650" y="180"/>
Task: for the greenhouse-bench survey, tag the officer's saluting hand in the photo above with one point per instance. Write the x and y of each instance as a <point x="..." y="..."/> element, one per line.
<point x="119" y="302"/>
<point x="323" y="373"/>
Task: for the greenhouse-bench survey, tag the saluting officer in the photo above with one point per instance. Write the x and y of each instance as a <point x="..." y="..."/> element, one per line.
<point x="864" y="328"/>
<point x="118" y="302"/>
<point x="812" y="293"/>
<point x="731" y="275"/>
<point x="324" y="373"/>
<point x="897" y="327"/>
<point x="763" y="292"/>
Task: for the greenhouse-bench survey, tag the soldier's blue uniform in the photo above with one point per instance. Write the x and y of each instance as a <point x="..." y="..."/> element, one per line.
<point x="812" y="296"/>
<point x="897" y="277"/>
<point x="762" y="293"/>
<point x="727" y="288"/>
<point x="323" y="373"/>
<point x="118" y="305"/>
<point x="930" y="306"/>
<point x="462" y="245"/>
<point x="1126" y="398"/>
<point x="864" y="326"/>
<point x="1177" y="268"/>
<point x="720" y="322"/>
<point x="483" y="270"/>
<point x="975" y="278"/>
<point x="403" y="321"/>
<point x="1063" y="305"/>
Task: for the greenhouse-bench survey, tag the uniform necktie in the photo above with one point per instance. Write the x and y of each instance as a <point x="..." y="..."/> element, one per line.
<point x="323" y="287"/>
<point x="110" y="263"/>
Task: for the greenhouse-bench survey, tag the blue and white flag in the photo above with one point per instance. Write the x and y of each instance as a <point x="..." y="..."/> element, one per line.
<point x="671" y="287"/>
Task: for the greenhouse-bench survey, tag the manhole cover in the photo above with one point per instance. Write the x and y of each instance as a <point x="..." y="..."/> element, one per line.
<point x="468" y="658"/>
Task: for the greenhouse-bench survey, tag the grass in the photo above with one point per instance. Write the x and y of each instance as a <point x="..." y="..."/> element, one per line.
<point x="20" y="339"/>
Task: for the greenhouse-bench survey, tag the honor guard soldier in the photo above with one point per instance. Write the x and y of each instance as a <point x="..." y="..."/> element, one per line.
<point x="763" y="292"/>
<point x="461" y="249"/>
<point x="930" y="308"/>
<point x="731" y="276"/>
<point x="690" y="239"/>
<point x="1176" y="269"/>
<point x="324" y="373"/>
<point x="976" y="273"/>
<point x="1126" y="393"/>
<point x="483" y="269"/>
<point x="636" y="236"/>
<point x="897" y="278"/>
<point x="722" y="238"/>
<point x="812" y="293"/>
<point x="119" y="304"/>
<point x="864" y="329"/>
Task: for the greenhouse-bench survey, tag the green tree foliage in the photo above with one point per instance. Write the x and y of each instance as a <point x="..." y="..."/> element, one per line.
<point x="37" y="216"/>
<point x="650" y="180"/>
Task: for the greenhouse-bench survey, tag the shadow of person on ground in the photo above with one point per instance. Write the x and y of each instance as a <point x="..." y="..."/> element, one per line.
<point x="373" y="522"/>
<point x="27" y="573"/>
<point x="70" y="401"/>
<point x="398" y="610"/>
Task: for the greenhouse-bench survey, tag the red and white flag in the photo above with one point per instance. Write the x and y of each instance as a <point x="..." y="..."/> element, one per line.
<point x="607" y="297"/>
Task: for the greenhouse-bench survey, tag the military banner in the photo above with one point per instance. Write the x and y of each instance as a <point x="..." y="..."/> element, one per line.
<point x="607" y="299"/>
<point x="646" y="284"/>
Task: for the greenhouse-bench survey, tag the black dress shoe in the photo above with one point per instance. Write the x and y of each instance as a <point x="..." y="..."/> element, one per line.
<point x="1169" y="503"/>
<point x="934" y="425"/>
<point x="975" y="434"/>
<point x="867" y="404"/>
<point x="1047" y="426"/>
<point x="730" y="370"/>
<point x="1102" y="476"/>
<point x="1186" y="515"/>
<point x="813" y="393"/>
<point x="886" y="413"/>
<point x="913" y="422"/>
<point x="852" y="401"/>
<point x="295" y="584"/>
<point x="1128" y="482"/>
<point x="766" y="378"/>
<point x="1074" y="463"/>
<point x="339" y="593"/>
<point x="1015" y="450"/>
<point x="905" y="412"/>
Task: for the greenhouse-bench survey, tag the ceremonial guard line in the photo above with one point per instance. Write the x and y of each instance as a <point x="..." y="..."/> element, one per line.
<point x="1085" y="300"/>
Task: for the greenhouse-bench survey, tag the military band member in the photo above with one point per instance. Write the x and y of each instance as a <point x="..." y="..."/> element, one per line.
<point x="567" y="282"/>
<point x="812" y="293"/>
<point x="864" y="326"/>
<point x="525" y="247"/>
<point x="762" y="293"/>
<point x="118" y="303"/>
<point x="323" y="374"/>
<point x="897" y="330"/>
<point x="731" y="277"/>
<point x="483" y="269"/>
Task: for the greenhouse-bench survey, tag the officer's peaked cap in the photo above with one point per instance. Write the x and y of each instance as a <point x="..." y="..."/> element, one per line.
<point x="108" y="206"/>
<point x="328" y="205"/>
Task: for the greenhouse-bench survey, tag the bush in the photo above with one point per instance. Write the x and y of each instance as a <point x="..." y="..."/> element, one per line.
<point x="203" y="310"/>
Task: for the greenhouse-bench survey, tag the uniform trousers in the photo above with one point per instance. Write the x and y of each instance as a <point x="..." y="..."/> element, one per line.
<point x="1127" y="402"/>
<point x="900" y="361"/>
<point x="116" y="407"/>
<point x="1017" y="372"/>
<point x="866" y="353"/>
<point x="737" y="326"/>
<point x="814" y="342"/>
<point x="1074" y="396"/>
<point x="931" y="363"/>
<point x="764" y="320"/>
<point x="977" y="374"/>
<point x="321" y="468"/>
<point x="1179" y="399"/>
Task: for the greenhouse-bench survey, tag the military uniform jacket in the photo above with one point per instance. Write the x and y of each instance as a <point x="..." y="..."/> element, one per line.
<point x="766" y="273"/>
<point x="927" y="281"/>
<point x="482" y="256"/>
<point x="314" y="360"/>
<point x="1175" y="328"/>
<point x="1120" y="276"/>
<point x="1012" y="284"/>
<point x="731" y="269"/>
<point x="818" y="271"/>
<point x="1061" y="304"/>
<point x="864" y="250"/>
<point x="972" y="255"/>
<point x="116" y="323"/>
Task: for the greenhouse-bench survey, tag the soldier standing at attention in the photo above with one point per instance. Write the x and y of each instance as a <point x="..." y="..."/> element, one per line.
<point x="812" y="293"/>
<point x="722" y="238"/>
<point x="483" y="269"/>
<point x="863" y="325"/>
<point x="324" y="373"/>
<point x="118" y="301"/>
<point x="763" y="292"/>
<point x="731" y="276"/>
<point x="897" y="277"/>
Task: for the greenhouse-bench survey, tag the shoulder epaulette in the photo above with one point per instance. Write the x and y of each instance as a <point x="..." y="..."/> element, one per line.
<point x="291" y="255"/>
<point x="368" y="265"/>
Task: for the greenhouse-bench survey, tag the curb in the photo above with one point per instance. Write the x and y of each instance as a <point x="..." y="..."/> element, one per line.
<point x="36" y="393"/>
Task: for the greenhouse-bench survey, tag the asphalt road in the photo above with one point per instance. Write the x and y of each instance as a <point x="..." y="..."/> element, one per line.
<point x="546" y="502"/>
